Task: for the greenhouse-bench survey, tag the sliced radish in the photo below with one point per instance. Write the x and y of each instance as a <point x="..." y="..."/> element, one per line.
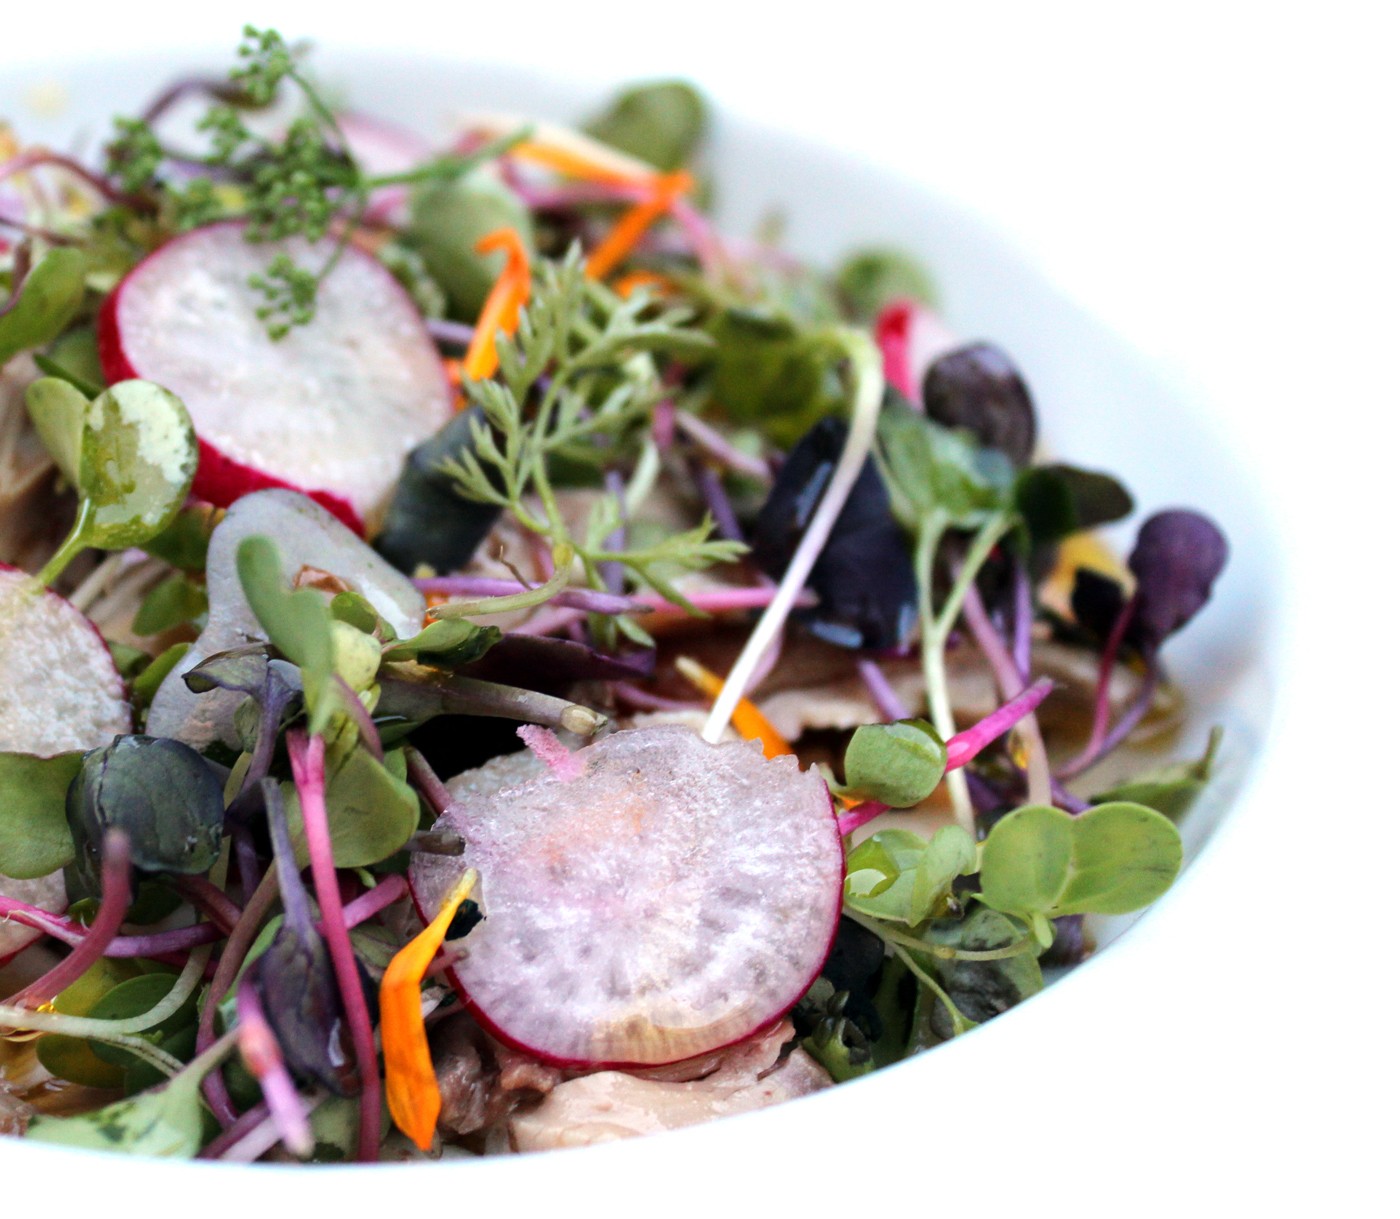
<point x="307" y="536"/>
<point x="59" y="691"/>
<point x="671" y="899"/>
<point x="332" y="409"/>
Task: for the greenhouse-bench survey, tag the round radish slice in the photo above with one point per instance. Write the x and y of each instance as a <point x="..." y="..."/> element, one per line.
<point x="59" y="691"/>
<point x="332" y="409"/>
<point x="306" y="536"/>
<point x="669" y="898"/>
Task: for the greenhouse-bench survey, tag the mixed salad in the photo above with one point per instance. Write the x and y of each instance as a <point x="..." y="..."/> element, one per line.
<point x="489" y="662"/>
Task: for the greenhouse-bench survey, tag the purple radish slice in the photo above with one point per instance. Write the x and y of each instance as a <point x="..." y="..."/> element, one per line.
<point x="671" y="898"/>
<point x="59" y="691"/>
<point x="307" y="535"/>
<point x="332" y="409"/>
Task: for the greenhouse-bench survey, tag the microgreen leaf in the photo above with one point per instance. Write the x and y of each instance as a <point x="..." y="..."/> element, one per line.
<point x="34" y="835"/>
<point x="1112" y="859"/>
<point x="370" y="806"/>
<point x="176" y="599"/>
<point x="1176" y="559"/>
<point x="1170" y="789"/>
<point x="138" y="458"/>
<point x="47" y="300"/>
<point x="898" y="876"/>
<point x="133" y="998"/>
<point x="897" y="764"/>
<point x="977" y="388"/>
<point x="57" y="411"/>
<point x="868" y="280"/>
<point x="660" y="123"/>
<point x="161" y="793"/>
<point x="145" y="684"/>
<point x="297" y="623"/>
<point x="72" y="1058"/>
<point x="448" y="643"/>
<point x="931" y="470"/>
<point x="1058" y="500"/>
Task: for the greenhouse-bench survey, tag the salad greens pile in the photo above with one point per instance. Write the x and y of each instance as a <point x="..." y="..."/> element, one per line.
<point x="643" y="474"/>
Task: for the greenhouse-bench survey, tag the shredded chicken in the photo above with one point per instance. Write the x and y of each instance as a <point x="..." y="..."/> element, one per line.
<point x="609" y="1105"/>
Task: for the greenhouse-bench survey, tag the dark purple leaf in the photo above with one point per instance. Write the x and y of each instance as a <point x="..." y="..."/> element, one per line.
<point x="864" y="576"/>
<point x="550" y="665"/>
<point x="1178" y="556"/>
<point x="977" y="387"/>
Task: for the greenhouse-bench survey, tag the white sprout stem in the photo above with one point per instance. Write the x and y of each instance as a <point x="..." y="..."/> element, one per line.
<point x="865" y="414"/>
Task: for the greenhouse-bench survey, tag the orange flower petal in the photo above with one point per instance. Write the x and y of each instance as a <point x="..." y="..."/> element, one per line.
<point x="503" y="303"/>
<point x="666" y="189"/>
<point x="410" y="1086"/>
<point x="748" y="720"/>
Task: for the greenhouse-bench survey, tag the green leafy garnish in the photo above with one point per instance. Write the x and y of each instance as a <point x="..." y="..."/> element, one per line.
<point x="47" y="300"/>
<point x="34" y="834"/>
<point x="897" y="764"/>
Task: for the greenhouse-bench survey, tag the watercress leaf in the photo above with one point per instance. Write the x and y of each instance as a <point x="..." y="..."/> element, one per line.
<point x="771" y="373"/>
<point x="47" y="300"/>
<point x="136" y="463"/>
<point x="1170" y="789"/>
<point x="868" y="280"/>
<point x="166" y="798"/>
<point x="371" y="809"/>
<point x="34" y="835"/>
<point x="165" y="1122"/>
<point x="978" y="388"/>
<point x="1177" y="558"/>
<point x="184" y="543"/>
<point x="950" y="853"/>
<point x="979" y="989"/>
<point x="175" y="600"/>
<point x="355" y="610"/>
<point x="659" y="122"/>
<point x="447" y="643"/>
<point x="933" y="470"/>
<point x="880" y="874"/>
<point x="898" y="764"/>
<point x="132" y="998"/>
<point x="1112" y="859"/>
<point x="57" y="411"/>
<point x="297" y="623"/>
<point x="72" y="1058"/>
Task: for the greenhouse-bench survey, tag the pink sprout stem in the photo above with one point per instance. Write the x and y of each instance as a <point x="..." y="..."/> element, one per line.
<point x="1093" y="747"/>
<point x="309" y="772"/>
<point x="238" y="1130"/>
<point x="157" y="943"/>
<point x="425" y="779"/>
<point x="116" y="900"/>
<point x="370" y="903"/>
<point x="39" y="158"/>
<point x="714" y="445"/>
<point x="263" y="1057"/>
<point x="209" y="899"/>
<point x="882" y="694"/>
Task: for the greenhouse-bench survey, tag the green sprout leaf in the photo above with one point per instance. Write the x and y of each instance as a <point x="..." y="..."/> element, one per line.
<point x="932" y="470"/>
<point x="298" y="624"/>
<point x="34" y="835"/>
<point x="1112" y="859"/>
<point x="46" y="302"/>
<point x="897" y="764"/>
<point x="173" y="601"/>
<point x="898" y="876"/>
<point x="869" y="280"/>
<point x="370" y="806"/>
<point x="661" y="123"/>
<point x="72" y="1058"/>
<point x="448" y="643"/>
<point x="1171" y="789"/>
<point x="57" y="411"/>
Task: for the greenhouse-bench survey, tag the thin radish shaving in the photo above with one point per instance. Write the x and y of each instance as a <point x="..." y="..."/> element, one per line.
<point x="670" y="900"/>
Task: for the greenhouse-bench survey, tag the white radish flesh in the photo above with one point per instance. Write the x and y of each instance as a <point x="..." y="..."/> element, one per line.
<point x="671" y="899"/>
<point x="332" y="409"/>
<point x="59" y="692"/>
<point x="307" y="536"/>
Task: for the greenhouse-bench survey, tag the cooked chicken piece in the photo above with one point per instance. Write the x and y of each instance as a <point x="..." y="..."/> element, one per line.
<point x="608" y="1105"/>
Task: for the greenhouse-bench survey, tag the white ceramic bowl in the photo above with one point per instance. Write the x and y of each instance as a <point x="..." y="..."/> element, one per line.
<point x="996" y="1099"/>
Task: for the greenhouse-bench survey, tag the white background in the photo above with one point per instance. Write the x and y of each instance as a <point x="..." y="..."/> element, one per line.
<point x="1217" y="182"/>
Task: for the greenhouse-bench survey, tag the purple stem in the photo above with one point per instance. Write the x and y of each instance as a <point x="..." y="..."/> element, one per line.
<point x="116" y="900"/>
<point x="716" y="446"/>
<point x="711" y="488"/>
<point x="263" y="1058"/>
<point x="231" y="960"/>
<point x="209" y="899"/>
<point x="638" y="697"/>
<point x="856" y="816"/>
<point x="444" y="331"/>
<point x="235" y="1132"/>
<point x="586" y="599"/>
<point x="369" y="734"/>
<point x="1126" y="723"/>
<point x="309" y="773"/>
<point x="1021" y="625"/>
<point x="611" y="571"/>
<point x="425" y="779"/>
<point x="38" y="158"/>
<point x="368" y="904"/>
<point x="889" y="704"/>
<point x="157" y="943"/>
<point x="1093" y="748"/>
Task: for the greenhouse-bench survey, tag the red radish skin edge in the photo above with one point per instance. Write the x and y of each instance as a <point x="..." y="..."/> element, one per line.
<point x="220" y="479"/>
<point x="588" y="1064"/>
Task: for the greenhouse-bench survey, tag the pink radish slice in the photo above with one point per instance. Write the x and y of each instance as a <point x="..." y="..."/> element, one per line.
<point x="331" y="410"/>
<point x="59" y="691"/>
<point x="672" y="899"/>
